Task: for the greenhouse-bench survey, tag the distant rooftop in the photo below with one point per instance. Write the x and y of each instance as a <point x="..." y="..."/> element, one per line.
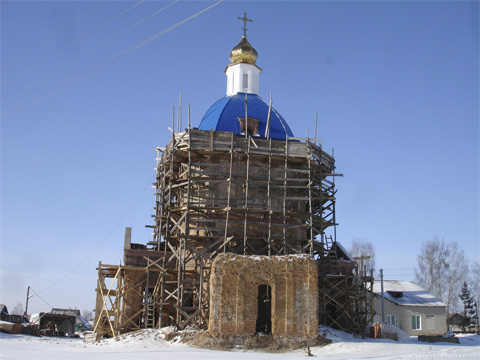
<point x="406" y="293"/>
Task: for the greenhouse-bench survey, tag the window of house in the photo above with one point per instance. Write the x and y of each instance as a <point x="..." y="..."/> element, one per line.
<point x="392" y="319"/>
<point x="416" y="322"/>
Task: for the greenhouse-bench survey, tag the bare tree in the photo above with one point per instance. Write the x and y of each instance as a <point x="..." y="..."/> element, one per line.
<point x="432" y="266"/>
<point x="475" y="281"/>
<point x="441" y="269"/>
<point x="18" y="309"/>
<point x="457" y="274"/>
<point x="87" y="315"/>
<point x="363" y="248"/>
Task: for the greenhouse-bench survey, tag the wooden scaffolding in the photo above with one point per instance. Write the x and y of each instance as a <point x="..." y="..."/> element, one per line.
<point x="345" y="296"/>
<point x="220" y="192"/>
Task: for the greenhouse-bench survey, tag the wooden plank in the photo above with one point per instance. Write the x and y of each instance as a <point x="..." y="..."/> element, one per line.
<point x="91" y="337"/>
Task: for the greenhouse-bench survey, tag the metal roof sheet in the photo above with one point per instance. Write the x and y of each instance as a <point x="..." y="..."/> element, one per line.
<point x="223" y="116"/>
<point x="413" y="294"/>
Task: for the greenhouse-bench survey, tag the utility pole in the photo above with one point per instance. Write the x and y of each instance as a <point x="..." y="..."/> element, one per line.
<point x="383" y="306"/>
<point x="26" y="305"/>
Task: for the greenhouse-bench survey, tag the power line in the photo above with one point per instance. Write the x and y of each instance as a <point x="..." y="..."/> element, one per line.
<point x="91" y="51"/>
<point x="51" y="37"/>
<point x="71" y="44"/>
<point x="40" y="297"/>
<point x="390" y="275"/>
<point x="140" y="202"/>
<point x="97" y="67"/>
<point x="102" y="242"/>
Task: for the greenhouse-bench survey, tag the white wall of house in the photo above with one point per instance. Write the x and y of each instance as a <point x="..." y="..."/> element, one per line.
<point x="433" y="319"/>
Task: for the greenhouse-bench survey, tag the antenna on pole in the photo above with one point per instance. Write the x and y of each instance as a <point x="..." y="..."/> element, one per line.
<point x="316" y="118"/>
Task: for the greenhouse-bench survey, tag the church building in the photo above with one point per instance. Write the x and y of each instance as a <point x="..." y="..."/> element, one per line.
<point x="243" y="239"/>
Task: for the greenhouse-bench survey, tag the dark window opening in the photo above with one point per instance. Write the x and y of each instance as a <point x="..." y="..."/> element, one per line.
<point x="188" y="300"/>
<point x="396" y="294"/>
<point x="251" y="124"/>
<point x="264" y="319"/>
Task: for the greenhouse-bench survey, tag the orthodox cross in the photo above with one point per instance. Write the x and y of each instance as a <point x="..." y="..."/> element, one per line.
<point x="245" y="23"/>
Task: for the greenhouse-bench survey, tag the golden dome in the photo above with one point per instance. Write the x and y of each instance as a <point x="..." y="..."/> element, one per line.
<point x="243" y="53"/>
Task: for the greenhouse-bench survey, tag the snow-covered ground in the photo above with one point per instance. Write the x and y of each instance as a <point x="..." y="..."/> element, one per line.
<point x="150" y="344"/>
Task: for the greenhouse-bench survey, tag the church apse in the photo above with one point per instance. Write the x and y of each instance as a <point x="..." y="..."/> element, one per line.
<point x="260" y="294"/>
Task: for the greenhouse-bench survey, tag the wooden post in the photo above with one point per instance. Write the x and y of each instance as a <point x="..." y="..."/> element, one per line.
<point x="269" y="197"/>
<point x="173" y="122"/>
<point x="229" y="192"/>
<point x="179" y="114"/>
<point x="285" y="183"/>
<point x="267" y="128"/>
<point x="310" y="203"/>
<point x="246" y="200"/>
<point x="246" y="117"/>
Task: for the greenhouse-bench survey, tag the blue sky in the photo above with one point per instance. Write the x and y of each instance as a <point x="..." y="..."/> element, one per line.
<point x="395" y="84"/>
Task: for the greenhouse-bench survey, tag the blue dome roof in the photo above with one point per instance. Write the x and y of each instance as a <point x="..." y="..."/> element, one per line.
<point x="224" y="114"/>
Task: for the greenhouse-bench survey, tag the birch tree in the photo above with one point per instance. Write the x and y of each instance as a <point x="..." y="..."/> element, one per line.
<point x="475" y="281"/>
<point x="441" y="269"/>
<point x="87" y="315"/>
<point x="18" y="309"/>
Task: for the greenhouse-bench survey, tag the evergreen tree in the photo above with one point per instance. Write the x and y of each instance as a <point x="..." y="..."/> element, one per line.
<point x="469" y="312"/>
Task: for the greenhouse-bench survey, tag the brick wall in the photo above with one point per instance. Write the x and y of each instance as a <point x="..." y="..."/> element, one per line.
<point x="234" y="284"/>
